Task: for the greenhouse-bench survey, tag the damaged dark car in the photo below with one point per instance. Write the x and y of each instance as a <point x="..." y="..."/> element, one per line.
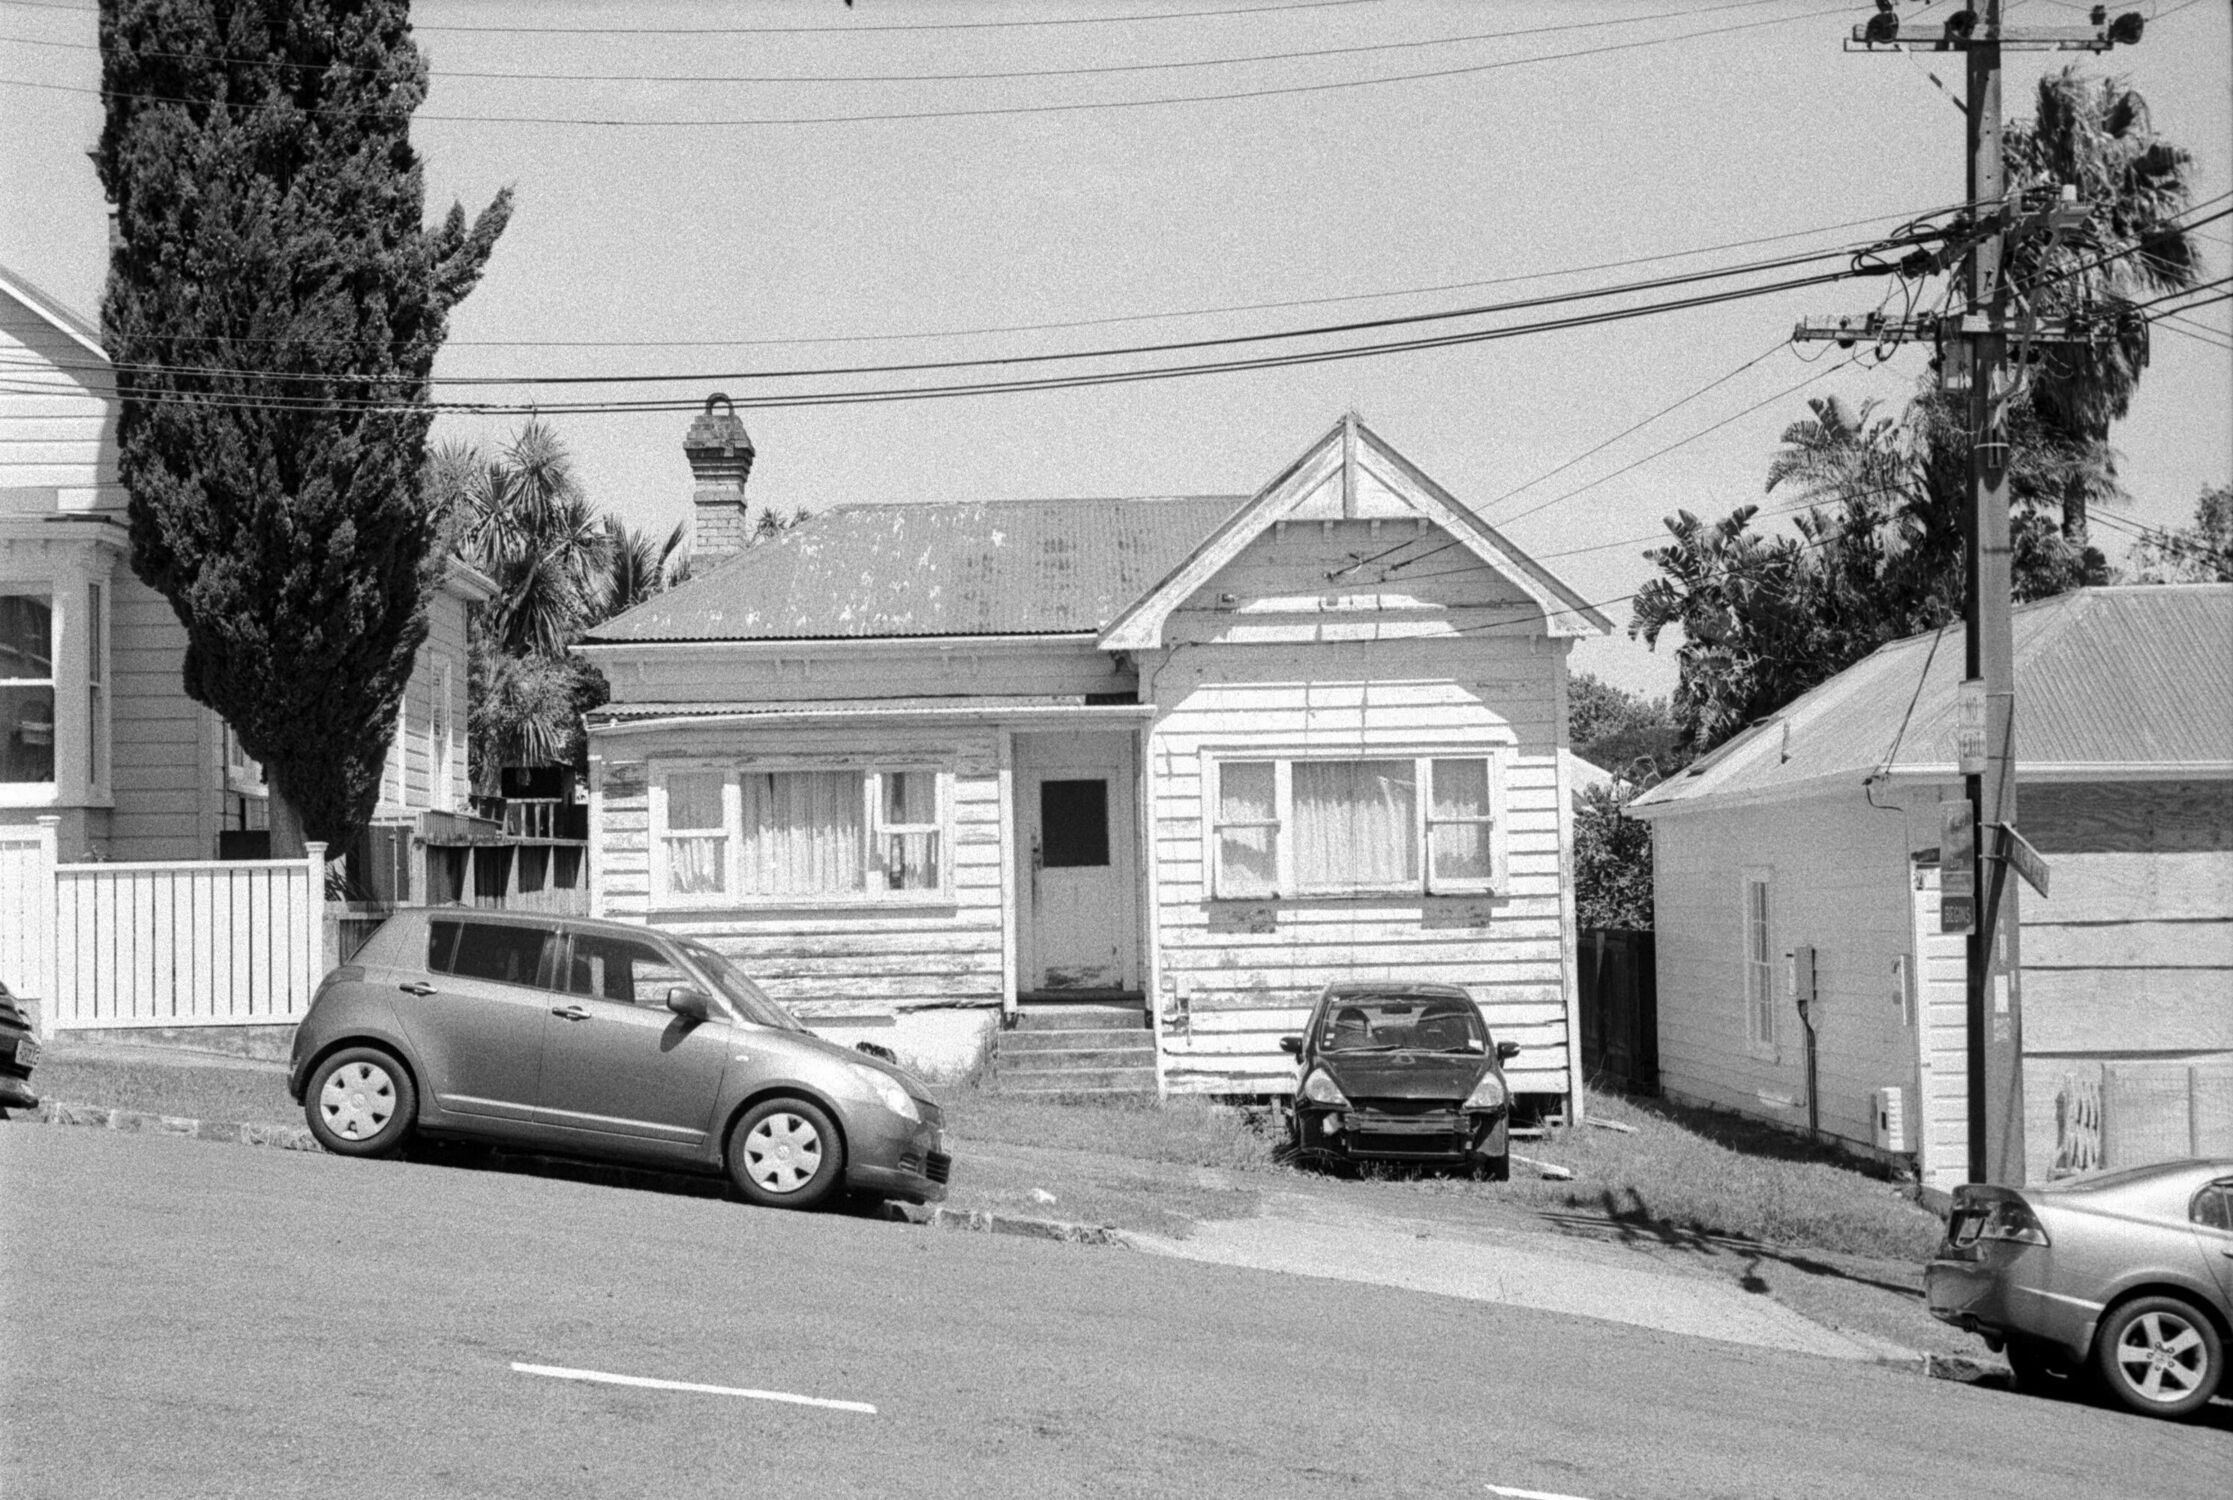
<point x="19" y="1050"/>
<point x="1404" y="1074"/>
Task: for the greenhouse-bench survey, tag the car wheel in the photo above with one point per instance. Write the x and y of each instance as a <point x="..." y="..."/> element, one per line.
<point x="360" y="1102"/>
<point x="2160" y="1356"/>
<point x="785" y="1153"/>
<point x="2038" y="1369"/>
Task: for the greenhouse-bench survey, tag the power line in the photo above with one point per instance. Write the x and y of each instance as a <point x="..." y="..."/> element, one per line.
<point x="1070" y="107"/>
<point x="1032" y="384"/>
<point x="1126" y="351"/>
<point x="1120" y="318"/>
<point x="847" y="30"/>
<point x="1305" y="54"/>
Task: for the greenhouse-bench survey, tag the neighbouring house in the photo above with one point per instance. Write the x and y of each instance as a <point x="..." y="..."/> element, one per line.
<point x="96" y="728"/>
<point x="930" y="766"/>
<point x="1818" y="828"/>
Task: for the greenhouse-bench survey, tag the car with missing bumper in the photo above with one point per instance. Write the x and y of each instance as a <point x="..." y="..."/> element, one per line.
<point x="19" y="1053"/>
<point x="574" y="1037"/>
<point x="2123" y="1279"/>
<point x="1402" y="1074"/>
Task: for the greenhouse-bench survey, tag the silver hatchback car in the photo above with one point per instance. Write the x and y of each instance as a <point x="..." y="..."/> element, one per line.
<point x="603" y="1040"/>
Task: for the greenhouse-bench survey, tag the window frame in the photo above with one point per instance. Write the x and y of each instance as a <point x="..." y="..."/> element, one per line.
<point x="1287" y="885"/>
<point x="1761" y="989"/>
<point x="874" y="830"/>
<point x="48" y="592"/>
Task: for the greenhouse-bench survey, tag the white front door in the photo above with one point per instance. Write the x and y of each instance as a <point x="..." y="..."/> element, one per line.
<point x="1074" y="818"/>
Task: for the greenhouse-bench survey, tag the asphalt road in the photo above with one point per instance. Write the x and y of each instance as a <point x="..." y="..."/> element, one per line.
<point x="181" y="1318"/>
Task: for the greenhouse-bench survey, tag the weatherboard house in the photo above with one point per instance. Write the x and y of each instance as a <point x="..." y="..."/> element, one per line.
<point x="1806" y="851"/>
<point x="921" y="766"/>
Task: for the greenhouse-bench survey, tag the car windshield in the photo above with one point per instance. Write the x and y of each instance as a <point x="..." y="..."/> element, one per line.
<point x="1402" y="1023"/>
<point x="747" y="998"/>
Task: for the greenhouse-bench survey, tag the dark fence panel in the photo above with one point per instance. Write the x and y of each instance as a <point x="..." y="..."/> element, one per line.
<point x="1620" y="1009"/>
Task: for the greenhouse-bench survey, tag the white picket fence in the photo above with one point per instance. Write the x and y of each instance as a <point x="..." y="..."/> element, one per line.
<point x="191" y="943"/>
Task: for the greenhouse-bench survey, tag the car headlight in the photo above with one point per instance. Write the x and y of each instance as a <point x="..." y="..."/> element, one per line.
<point x="886" y="1088"/>
<point x="1489" y="1093"/>
<point x="1320" y="1088"/>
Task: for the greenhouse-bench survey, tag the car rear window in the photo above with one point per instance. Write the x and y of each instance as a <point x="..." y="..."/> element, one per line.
<point x="495" y="951"/>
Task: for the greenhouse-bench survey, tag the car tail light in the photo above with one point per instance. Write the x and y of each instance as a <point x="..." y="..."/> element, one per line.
<point x="2012" y="1219"/>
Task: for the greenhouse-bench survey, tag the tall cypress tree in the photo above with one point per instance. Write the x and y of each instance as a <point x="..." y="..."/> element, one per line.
<point x="275" y="301"/>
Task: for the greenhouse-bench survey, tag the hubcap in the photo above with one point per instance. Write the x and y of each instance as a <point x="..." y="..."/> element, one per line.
<point x="2161" y="1357"/>
<point x="782" y="1153"/>
<point x="358" y="1100"/>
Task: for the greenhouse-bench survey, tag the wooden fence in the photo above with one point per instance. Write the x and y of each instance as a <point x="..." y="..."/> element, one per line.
<point x="193" y="943"/>
<point x="1620" y="1008"/>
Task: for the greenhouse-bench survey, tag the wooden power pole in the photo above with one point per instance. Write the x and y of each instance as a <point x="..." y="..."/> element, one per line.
<point x="1973" y="368"/>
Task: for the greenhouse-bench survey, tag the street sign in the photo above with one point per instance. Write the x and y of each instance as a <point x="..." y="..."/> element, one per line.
<point x="2022" y="857"/>
<point x="1969" y="727"/>
<point x="1957" y="866"/>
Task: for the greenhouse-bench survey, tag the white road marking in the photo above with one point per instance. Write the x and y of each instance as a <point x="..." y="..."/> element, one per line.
<point x="556" y="1372"/>
<point x="1498" y="1489"/>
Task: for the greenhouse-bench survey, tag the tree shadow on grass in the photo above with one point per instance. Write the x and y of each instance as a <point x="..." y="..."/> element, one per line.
<point x="1628" y="1219"/>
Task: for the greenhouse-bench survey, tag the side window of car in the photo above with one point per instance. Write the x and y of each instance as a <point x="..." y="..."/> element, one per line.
<point x="493" y="951"/>
<point x="624" y="970"/>
<point x="2213" y="1206"/>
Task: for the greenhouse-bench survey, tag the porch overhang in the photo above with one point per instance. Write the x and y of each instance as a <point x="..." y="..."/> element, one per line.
<point x="1064" y="711"/>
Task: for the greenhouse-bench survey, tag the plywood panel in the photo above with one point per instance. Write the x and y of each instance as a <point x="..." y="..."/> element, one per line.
<point x="2128" y="1010"/>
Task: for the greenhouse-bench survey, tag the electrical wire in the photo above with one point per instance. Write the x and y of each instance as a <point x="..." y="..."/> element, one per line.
<point x="1308" y="54"/>
<point x="847" y="29"/>
<point x="986" y="111"/>
<point x="731" y="377"/>
<point x="1120" y="318"/>
<point x="1031" y="384"/>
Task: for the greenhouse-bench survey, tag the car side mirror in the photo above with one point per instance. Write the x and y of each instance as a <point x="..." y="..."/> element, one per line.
<point x="1291" y="1045"/>
<point x="689" y="1003"/>
<point x="1506" y="1051"/>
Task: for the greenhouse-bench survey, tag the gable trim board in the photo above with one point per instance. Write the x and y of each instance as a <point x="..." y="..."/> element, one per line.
<point x="1346" y="448"/>
<point x="858" y="677"/>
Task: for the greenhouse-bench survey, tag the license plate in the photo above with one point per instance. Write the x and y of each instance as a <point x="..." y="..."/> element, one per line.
<point x="25" y="1050"/>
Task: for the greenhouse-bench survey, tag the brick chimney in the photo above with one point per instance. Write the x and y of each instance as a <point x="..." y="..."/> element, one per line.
<point x="720" y="461"/>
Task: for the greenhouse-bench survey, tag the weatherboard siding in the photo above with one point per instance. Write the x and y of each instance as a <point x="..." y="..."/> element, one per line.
<point x="1247" y="681"/>
<point x="1836" y="871"/>
<point x="855" y="959"/>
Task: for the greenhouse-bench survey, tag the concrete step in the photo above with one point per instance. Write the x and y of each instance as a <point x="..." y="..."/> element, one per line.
<point x="1081" y="1018"/>
<point x="1073" y="1058"/>
<point x="1077" y="1081"/>
<point x="1067" y="1039"/>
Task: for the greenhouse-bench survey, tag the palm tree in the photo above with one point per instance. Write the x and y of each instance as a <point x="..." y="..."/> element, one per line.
<point x="2095" y="134"/>
<point x="529" y="526"/>
<point x="636" y="568"/>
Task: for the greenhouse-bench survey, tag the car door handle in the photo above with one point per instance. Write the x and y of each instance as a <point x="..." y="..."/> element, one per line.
<point x="570" y="1012"/>
<point x="416" y="987"/>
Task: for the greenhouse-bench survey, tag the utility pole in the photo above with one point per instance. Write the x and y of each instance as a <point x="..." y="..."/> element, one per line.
<point x="1973" y="367"/>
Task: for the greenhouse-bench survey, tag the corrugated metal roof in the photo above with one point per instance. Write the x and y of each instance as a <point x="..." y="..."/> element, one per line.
<point x="1001" y="567"/>
<point x="2135" y="676"/>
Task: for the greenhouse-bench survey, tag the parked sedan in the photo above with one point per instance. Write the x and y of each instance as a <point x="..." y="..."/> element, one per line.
<point x="608" y="1041"/>
<point x="1402" y="1073"/>
<point x="19" y="1051"/>
<point x="2128" y="1276"/>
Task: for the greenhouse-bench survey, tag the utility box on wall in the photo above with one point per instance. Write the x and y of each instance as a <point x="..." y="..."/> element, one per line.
<point x="1891" y="1119"/>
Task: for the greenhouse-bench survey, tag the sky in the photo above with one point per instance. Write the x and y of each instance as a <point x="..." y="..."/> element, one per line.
<point x="738" y="227"/>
